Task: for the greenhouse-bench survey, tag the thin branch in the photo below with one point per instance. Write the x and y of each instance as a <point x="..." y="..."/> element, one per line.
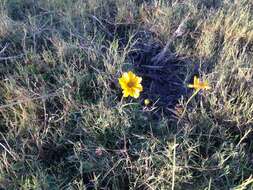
<point x="7" y="150"/>
<point x="11" y="57"/>
<point x="179" y="32"/>
<point x="4" y="48"/>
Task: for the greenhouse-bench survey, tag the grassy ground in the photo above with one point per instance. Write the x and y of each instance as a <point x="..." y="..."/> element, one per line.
<point x="64" y="125"/>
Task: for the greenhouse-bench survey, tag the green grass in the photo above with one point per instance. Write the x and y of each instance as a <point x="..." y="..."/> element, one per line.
<point x="64" y="125"/>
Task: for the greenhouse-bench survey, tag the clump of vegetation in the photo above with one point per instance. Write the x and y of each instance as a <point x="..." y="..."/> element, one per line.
<point x="64" y="120"/>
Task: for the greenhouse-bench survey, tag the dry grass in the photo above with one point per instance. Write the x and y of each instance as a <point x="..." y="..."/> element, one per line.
<point x="64" y="125"/>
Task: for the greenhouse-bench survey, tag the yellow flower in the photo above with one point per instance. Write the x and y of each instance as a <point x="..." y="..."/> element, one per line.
<point x="147" y="102"/>
<point x="199" y="85"/>
<point x="130" y="84"/>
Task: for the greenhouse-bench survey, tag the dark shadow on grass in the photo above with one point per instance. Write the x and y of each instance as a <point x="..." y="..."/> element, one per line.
<point x="164" y="81"/>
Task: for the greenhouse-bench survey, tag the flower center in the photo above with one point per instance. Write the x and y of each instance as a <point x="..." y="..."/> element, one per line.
<point x="130" y="84"/>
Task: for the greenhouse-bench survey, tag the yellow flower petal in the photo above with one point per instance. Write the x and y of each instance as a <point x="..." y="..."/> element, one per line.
<point x="196" y="80"/>
<point x="125" y="94"/>
<point x="190" y="86"/>
<point x="131" y="75"/>
<point x="139" y="87"/>
<point x="125" y="77"/>
<point x="198" y="85"/>
<point x="130" y="84"/>
<point x="122" y="83"/>
<point x="139" y="79"/>
<point x="131" y="92"/>
<point x="136" y="94"/>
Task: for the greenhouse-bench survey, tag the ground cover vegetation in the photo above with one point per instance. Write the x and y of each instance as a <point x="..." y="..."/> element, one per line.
<point x="67" y="118"/>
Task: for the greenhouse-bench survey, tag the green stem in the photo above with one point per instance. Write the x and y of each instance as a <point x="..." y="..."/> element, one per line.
<point x="188" y="101"/>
